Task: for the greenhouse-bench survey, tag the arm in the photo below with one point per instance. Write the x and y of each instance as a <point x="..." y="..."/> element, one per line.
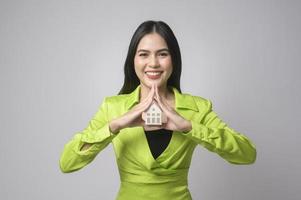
<point x="213" y="134"/>
<point x="85" y="145"/>
<point x="114" y="129"/>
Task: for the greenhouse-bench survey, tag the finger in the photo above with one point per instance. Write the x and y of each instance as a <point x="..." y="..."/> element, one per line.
<point x="146" y="105"/>
<point x="147" y="101"/>
<point x="166" y="104"/>
<point x="149" y="95"/>
<point x="158" y="99"/>
<point x="166" y="111"/>
<point x="156" y="92"/>
<point x="143" y="106"/>
<point x="152" y="92"/>
<point x="164" y="118"/>
<point x="162" y="106"/>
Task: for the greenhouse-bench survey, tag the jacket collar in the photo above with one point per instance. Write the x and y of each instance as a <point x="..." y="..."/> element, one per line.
<point x="184" y="101"/>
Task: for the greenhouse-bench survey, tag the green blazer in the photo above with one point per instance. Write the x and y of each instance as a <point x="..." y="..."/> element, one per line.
<point x="142" y="176"/>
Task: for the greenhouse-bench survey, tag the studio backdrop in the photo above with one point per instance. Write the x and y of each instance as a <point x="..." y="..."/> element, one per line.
<point x="59" y="59"/>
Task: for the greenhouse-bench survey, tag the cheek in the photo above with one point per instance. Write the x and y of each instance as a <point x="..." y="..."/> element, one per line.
<point x="167" y="61"/>
<point x="167" y="65"/>
<point x="138" y="63"/>
<point x="138" y="71"/>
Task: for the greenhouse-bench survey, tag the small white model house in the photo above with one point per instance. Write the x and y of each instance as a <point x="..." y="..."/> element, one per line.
<point x="153" y="115"/>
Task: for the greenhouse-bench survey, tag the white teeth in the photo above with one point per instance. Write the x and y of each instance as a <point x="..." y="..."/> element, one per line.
<point x="153" y="73"/>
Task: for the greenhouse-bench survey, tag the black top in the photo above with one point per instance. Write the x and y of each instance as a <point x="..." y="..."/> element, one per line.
<point x="158" y="140"/>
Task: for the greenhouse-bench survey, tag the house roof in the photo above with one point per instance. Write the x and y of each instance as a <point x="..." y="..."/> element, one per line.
<point x="155" y="106"/>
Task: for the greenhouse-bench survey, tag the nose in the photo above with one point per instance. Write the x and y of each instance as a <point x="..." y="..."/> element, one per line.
<point x="153" y="62"/>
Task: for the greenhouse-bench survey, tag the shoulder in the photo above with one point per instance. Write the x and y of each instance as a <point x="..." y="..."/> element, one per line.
<point x="116" y="99"/>
<point x="201" y="102"/>
<point x="114" y="105"/>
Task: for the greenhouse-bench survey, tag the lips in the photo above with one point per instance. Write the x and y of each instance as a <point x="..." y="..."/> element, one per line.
<point x="153" y="74"/>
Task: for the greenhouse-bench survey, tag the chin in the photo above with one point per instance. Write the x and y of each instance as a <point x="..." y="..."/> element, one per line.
<point x="159" y="83"/>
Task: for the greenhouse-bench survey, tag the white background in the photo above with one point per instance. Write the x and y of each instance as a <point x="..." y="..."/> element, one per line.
<point x="59" y="59"/>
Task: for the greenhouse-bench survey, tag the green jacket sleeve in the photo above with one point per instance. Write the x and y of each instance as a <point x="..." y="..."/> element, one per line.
<point x="213" y="134"/>
<point x="97" y="133"/>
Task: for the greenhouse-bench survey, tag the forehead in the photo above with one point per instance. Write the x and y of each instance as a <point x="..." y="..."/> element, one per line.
<point x="152" y="41"/>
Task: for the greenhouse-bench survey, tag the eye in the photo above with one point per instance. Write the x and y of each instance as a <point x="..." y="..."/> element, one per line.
<point x="142" y="54"/>
<point x="164" y="54"/>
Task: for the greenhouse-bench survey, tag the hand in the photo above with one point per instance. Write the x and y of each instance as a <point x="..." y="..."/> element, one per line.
<point x="175" y="122"/>
<point x="133" y="117"/>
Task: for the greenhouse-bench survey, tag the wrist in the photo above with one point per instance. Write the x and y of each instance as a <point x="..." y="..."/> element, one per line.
<point x="114" y="127"/>
<point x="187" y="127"/>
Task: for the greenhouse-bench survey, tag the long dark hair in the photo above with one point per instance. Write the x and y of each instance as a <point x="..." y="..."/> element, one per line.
<point x="131" y="81"/>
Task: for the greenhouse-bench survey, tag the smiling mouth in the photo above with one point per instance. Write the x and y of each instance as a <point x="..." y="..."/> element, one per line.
<point x="153" y="75"/>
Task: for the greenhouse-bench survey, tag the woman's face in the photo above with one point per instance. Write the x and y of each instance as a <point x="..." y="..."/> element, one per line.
<point x="152" y="61"/>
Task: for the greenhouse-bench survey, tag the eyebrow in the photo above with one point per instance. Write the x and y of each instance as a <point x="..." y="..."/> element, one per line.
<point x="144" y="50"/>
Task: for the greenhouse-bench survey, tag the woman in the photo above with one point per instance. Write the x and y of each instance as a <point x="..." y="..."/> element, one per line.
<point x="153" y="160"/>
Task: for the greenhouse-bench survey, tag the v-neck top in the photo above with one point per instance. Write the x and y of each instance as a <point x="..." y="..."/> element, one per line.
<point x="158" y="140"/>
<point x="142" y="176"/>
